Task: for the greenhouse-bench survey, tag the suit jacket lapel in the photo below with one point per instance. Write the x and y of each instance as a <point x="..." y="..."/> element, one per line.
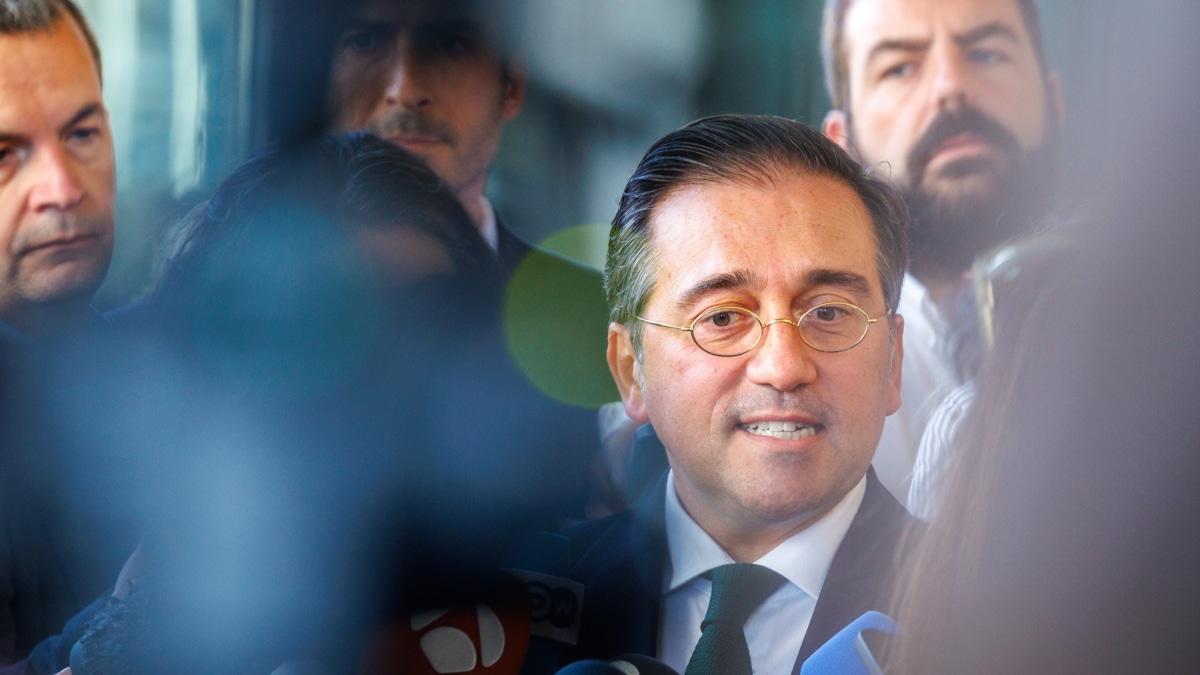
<point x="510" y="248"/>
<point x="859" y="578"/>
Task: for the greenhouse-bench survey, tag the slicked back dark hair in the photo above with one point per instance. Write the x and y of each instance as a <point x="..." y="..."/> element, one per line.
<point x="833" y="47"/>
<point x="744" y="149"/>
<point x="28" y="16"/>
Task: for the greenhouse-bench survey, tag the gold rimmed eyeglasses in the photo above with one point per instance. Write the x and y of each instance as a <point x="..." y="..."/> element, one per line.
<point x="733" y="331"/>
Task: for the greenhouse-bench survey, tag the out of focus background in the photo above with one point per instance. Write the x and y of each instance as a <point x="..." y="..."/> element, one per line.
<point x="193" y="86"/>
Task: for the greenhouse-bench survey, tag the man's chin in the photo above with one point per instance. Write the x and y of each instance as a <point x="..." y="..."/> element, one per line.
<point x="961" y="185"/>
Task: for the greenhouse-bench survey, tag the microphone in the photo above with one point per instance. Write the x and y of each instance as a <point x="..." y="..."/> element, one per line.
<point x="626" y="664"/>
<point x="541" y="560"/>
<point x="847" y="653"/>
<point x="591" y="667"/>
<point x="515" y="629"/>
<point x="490" y="636"/>
<point x="640" y="664"/>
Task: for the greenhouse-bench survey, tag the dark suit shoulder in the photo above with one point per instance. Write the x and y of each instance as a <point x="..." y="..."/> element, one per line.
<point x="861" y="576"/>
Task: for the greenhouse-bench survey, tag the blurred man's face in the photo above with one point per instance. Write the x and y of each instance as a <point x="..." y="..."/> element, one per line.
<point x="426" y="76"/>
<point x="951" y="95"/>
<point x="56" y="172"/>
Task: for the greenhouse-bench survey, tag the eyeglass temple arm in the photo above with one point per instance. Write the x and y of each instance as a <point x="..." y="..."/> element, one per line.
<point x="686" y="329"/>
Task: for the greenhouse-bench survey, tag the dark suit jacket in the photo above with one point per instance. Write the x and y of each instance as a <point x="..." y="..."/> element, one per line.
<point x="620" y="561"/>
<point x="56" y="554"/>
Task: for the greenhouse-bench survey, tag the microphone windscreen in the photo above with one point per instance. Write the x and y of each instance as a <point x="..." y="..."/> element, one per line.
<point x="490" y="636"/>
<point x="541" y="560"/>
<point x="541" y="552"/>
<point x="591" y="667"/>
<point x="845" y="653"/>
<point x="640" y="664"/>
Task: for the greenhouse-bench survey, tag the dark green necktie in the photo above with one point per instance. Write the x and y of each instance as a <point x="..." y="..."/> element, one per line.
<point x="737" y="590"/>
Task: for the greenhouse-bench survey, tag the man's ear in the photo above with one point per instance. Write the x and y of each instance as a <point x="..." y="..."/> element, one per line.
<point x="895" y="363"/>
<point x="626" y="372"/>
<point x="836" y="128"/>
<point x="514" y="91"/>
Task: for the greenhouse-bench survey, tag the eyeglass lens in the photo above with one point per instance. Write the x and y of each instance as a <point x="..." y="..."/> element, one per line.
<point x="729" y="331"/>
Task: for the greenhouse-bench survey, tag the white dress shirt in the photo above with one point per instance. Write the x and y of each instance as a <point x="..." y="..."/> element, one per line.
<point x="489" y="229"/>
<point x="939" y="452"/>
<point x="776" y="629"/>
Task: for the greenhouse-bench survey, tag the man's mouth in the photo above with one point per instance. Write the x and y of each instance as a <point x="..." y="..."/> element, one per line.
<point x="63" y="243"/>
<point x="787" y="431"/>
<point x="961" y="143"/>
<point x="414" y="142"/>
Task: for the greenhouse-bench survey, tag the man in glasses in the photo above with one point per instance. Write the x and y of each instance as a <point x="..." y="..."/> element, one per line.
<point x="752" y="274"/>
<point x="440" y="79"/>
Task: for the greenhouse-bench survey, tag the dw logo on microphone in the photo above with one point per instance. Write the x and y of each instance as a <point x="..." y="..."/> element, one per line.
<point x="554" y="605"/>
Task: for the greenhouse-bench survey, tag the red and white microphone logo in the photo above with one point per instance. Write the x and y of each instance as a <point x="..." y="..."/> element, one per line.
<point x="487" y="637"/>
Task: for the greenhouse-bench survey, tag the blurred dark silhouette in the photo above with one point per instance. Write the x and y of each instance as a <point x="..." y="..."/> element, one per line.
<point x="1070" y="537"/>
<point x="314" y="417"/>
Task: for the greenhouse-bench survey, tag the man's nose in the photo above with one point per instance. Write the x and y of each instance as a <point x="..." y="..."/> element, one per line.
<point x="782" y="359"/>
<point x="55" y="184"/>
<point x="951" y="81"/>
<point x="407" y="81"/>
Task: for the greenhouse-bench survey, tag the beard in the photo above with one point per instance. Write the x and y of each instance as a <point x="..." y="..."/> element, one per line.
<point x="947" y="232"/>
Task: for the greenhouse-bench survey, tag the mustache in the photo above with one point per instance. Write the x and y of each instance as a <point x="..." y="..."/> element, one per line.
<point x="406" y="123"/>
<point x="803" y="402"/>
<point x="949" y="124"/>
<point x="55" y="226"/>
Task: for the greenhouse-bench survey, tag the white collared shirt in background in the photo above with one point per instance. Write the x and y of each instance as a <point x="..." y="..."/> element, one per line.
<point x="928" y="376"/>
<point x="488" y="229"/>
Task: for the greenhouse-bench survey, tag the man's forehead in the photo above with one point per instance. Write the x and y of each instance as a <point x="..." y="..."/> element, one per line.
<point x="410" y="13"/>
<point x="870" y="22"/>
<point x="47" y="68"/>
<point x="813" y="222"/>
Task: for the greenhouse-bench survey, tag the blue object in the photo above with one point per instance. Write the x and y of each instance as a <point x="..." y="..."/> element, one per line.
<point x="846" y="653"/>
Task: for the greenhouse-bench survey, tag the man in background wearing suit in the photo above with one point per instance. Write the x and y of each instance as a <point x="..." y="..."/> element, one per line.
<point x="433" y="78"/>
<point x="753" y="273"/>
<point x="439" y="79"/>
<point x="57" y="184"/>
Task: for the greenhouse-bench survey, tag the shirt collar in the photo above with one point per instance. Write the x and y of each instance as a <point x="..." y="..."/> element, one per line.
<point x="803" y="559"/>
<point x="488" y="228"/>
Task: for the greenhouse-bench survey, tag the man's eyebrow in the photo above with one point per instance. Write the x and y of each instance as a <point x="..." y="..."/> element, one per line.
<point x="988" y="30"/>
<point x="84" y="113"/>
<point x="371" y="26"/>
<point x="819" y="278"/>
<point x="717" y="282"/>
<point x="844" y="279"/>
<point x="896" y="45"/>
<point x="973" y="36"/>
<point x="451" y="26"/>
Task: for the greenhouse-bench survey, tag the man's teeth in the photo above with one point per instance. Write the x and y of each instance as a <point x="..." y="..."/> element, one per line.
<point x="788" y="431"/>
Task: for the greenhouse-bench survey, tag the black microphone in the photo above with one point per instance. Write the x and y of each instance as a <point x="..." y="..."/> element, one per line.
<point x="591" y="667"/>
<point x="626" y="664"/>
<point x="489" y="634"/>
<point x="847" y="653"/>
<point x="640" y="664"/>
<point x="541" y="560"/>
